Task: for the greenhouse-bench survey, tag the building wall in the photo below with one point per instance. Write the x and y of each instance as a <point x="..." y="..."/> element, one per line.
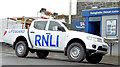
<point x="119" y="34"/>
<point x="0" y="31"/>
<point x="98" y="0"/>
<point x="86" y="5"/>
<point x="3" y="23"/>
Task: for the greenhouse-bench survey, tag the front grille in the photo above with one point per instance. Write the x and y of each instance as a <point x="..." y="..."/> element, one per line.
<point x="102" y="49"/>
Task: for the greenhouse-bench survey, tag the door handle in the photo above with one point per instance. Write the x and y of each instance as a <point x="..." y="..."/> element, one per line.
<point x="32" y="32"/>
<point x="48" y="33"/>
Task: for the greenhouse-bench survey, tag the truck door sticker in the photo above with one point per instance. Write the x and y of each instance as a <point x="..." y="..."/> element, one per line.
<point x="16" y="31"/>
<point x="47" y="41"/>
<point x="44" y="40"/>
<point x="37" y="40"/>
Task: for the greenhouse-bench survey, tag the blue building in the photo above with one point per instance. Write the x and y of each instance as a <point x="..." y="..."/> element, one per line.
<point x="97" y="21"/>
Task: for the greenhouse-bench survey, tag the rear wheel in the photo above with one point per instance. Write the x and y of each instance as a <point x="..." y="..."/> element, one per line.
<point x="21" y="49"/>
<point x="76" y="52"/>
<point x="42" y="54"/>
<point x="95" y="58"/>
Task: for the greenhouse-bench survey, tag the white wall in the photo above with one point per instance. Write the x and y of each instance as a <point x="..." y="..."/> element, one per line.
<point x="0" y="30"/>
<point x="11" y="25"/>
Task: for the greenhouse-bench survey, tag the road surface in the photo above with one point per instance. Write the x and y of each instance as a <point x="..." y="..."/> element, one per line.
<point x="9" y="58"/>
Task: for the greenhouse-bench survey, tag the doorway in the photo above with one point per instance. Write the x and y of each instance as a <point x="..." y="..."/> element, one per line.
<point x="94" y="28"/>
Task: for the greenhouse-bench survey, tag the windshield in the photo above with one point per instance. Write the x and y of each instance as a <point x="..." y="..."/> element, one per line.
<point x="69" y="26"/>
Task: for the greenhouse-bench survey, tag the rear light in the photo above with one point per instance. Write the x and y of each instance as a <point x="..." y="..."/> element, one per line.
<point x="5" y="33"/>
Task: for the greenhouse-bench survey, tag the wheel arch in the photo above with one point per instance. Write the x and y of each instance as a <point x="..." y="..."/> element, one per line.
<point x="20" y="38"/>
<point x="73" y="41"/>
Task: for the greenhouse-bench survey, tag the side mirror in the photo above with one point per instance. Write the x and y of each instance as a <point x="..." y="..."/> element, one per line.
<point x="58" y="28"/>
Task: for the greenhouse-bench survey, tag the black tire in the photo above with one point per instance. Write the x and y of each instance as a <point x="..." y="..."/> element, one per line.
<point x="94" y="59"/>
<point x="24" y="51"/>
<point x="42" y="54"/>
<point x="81" y="54"/>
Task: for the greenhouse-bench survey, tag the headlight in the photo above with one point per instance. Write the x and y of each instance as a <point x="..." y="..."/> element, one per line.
<point x="94" y="39"/>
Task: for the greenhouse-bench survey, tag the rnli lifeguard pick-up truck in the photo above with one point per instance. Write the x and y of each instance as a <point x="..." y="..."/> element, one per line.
<point x="45" y="35"/>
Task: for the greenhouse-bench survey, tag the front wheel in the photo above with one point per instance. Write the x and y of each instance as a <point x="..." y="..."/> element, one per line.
<point x="95" y="58"/>
<point x="76" y="52"/>
<point x="21" y="49"/>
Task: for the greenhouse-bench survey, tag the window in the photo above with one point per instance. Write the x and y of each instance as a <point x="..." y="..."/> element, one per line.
<point x="40" y="25"/>
<point x="52" y="24"/>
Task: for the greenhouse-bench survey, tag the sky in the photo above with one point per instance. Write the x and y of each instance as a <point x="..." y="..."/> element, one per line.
<point x="29" y="8"/>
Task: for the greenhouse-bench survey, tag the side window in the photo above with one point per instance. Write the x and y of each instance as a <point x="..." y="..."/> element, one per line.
<point x="52" y="24"/>
<point x="40" y="25"/>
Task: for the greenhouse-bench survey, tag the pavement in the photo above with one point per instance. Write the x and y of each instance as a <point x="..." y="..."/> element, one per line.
<point x="8" y="57"/>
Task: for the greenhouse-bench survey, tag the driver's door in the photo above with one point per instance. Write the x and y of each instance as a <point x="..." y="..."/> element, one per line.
<point x="57" y="38"/>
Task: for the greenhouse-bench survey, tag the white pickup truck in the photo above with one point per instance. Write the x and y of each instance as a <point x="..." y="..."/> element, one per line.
<point x="48" y="35"/>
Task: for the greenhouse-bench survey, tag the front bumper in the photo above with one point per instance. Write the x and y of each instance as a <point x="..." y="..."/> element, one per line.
<point x="100" y="52"/>
<point x="96" y="47"/>
<point x="91" y="52"/>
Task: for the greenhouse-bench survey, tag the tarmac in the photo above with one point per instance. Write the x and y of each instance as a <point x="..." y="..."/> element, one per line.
<point x="109" y="60"/>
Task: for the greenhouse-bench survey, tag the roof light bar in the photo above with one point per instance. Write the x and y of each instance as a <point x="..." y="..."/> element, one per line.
<point x="42" y="10"/>
<point x="47" y="13"/>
